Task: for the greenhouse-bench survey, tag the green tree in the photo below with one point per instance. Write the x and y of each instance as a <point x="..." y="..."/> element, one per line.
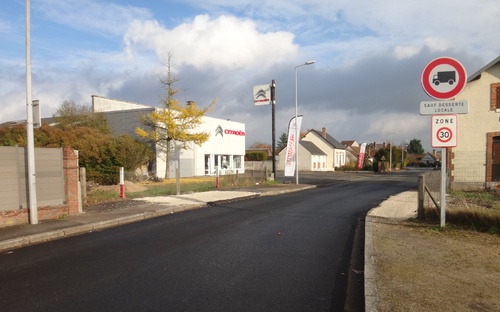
<point x="176" y="122"/>
<point x="11" y="135"/>
<point x="415" y="147"/>
<point x="131" y="153"/>
<point x="382" y="152"/>
<point x="282" y="141"/>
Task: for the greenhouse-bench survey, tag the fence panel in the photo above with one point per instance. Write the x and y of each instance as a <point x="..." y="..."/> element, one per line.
<point x="469" y="170"/>
<point x="13" y="177"/>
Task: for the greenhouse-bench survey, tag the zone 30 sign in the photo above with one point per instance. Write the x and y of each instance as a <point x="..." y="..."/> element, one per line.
<point x="444" y="131"/>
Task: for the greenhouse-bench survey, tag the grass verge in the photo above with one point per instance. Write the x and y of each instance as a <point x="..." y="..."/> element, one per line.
<point x="169" y="187"/>
<point x="470" y="210"/>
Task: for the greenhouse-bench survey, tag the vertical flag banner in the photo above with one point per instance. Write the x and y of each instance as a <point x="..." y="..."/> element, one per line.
<point x="361" y="155"/>
<point x="262" y="95"/>
<point x="293" y="129"/>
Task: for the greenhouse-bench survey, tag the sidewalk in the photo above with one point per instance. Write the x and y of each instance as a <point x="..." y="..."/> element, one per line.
<point x="106" y="215"/>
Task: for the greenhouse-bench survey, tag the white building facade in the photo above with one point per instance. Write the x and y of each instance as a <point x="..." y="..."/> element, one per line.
<point x="475" y="161"/>
<point x="223" y="153"/>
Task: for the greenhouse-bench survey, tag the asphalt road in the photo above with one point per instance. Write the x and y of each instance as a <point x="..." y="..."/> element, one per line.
<point x="288" y="252"/>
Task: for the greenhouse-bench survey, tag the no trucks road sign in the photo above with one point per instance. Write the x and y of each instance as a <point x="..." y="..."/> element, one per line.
<point x="444" y="78"/>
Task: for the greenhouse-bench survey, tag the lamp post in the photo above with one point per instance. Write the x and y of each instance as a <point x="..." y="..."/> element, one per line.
<point x="403" y="145"/>
<point x="30" y="145"/>
<point x="390" y="153"/>
<point x="297" y="133"/>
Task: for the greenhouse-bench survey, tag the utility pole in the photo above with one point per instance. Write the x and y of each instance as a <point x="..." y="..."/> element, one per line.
<point x="273" y="104"/>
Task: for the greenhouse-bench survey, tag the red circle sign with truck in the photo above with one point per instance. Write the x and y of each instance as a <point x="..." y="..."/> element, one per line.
<point x="444" y="78"/>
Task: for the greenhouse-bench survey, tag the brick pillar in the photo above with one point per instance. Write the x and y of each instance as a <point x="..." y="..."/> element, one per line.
<point x="71" y="179"/>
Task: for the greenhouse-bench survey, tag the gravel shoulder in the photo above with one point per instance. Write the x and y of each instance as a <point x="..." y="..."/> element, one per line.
<point x="418" y="268"/>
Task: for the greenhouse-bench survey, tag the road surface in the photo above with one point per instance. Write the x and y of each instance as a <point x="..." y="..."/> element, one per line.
<point x="287" y="252"/>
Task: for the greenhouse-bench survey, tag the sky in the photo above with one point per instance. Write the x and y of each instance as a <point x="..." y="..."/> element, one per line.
<point x="365" y="84"/>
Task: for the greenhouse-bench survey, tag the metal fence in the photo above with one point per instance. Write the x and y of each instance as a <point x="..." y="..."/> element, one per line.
<point x="468" y="170"/>
<point x="429" y="190"/>
<point x="13" y="177"/>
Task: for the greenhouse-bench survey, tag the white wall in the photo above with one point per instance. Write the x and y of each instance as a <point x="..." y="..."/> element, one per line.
<point x="324" y="146"/>
<point x="228" y="140"/>
<point x="470" y="153"/>
<point x="102" y="104"/>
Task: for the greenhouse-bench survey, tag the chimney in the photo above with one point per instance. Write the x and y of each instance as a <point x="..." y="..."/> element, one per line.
<point x="323" y="132"/>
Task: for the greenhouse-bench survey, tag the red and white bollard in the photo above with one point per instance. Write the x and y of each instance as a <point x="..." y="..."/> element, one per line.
<point x="122" y="183"/>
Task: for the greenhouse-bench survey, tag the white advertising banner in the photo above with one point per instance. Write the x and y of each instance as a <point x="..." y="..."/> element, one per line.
<point x="293" y="129"/>
<point x="361" y="155"/>
<point x="262" y="95"/>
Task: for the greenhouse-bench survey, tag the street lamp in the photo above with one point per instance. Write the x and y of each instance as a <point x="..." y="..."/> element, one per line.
<point x="390" y="153"/>
<point x="403" y="145"/>
<point x="297" y="133"/>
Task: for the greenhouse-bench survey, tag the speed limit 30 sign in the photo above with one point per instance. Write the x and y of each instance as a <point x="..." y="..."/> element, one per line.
<point x="444" y="131"/>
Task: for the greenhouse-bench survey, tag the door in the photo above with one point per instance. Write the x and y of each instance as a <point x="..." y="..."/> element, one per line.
<point x="495" y="163"/>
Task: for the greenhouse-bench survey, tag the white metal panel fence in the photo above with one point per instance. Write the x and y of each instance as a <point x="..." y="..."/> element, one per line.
<point x="13" y="177"/>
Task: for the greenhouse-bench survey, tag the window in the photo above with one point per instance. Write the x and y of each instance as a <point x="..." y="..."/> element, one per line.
<point x="495" y="96"/>
<point x="225" y="162"/>
<point x="237" y="162"/>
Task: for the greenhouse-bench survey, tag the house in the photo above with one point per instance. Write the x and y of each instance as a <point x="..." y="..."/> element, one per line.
<point x="475" y="161"/>
<point x="223" y="153"/>
<point x="350" y="143"/>
<point x="352" y="151"/>
<point x="430" y="160"/>
<point x="334" y="150"/>
<point x="311" y="158"/>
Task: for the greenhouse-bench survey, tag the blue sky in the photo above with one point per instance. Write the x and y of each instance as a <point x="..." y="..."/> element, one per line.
<point x="364" y="86"/>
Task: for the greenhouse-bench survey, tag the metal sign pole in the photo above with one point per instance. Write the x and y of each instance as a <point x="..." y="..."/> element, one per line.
<point x="273" y="111"/>
<point x="443" y="186"/>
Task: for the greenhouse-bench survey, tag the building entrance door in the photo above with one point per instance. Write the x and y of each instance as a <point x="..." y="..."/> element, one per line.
<point x="495" y="163"/>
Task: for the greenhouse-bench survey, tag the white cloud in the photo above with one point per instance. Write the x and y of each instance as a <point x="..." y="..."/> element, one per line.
<point x="225" y="42"/>
<point x="405" y="52"/>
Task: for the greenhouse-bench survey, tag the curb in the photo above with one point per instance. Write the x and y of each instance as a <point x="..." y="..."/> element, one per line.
<point x="270" y="193"/>
<point x="371" y="298"/>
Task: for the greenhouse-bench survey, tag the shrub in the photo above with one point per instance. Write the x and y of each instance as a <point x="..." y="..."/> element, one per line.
<point x="256" y="156"/>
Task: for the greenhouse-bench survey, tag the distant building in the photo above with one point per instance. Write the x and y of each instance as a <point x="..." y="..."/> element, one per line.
<point x="224" y="151"/>
<point x="430" y="160"/>
<point x="352" y="149"/>
<point x="317" y="151"/>
<point x="335" y="151"/>
<point x="311" y="157"/>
